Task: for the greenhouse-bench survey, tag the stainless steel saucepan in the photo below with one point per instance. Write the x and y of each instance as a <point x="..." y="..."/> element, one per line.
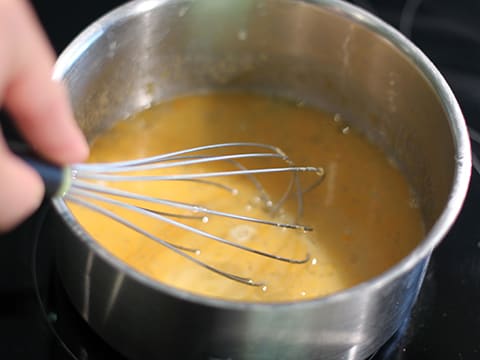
<point x="325" y="52"/>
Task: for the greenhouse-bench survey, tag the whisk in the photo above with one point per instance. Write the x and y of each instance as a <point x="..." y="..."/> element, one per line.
<point x="82" y="184"/>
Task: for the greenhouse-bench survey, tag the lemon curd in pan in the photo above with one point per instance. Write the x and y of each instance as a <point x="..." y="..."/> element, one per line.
<point x="363" y="213"/>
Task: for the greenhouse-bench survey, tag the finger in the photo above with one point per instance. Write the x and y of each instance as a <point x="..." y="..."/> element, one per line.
<point x="21" y="189"/>
<point x="38" y="104"/>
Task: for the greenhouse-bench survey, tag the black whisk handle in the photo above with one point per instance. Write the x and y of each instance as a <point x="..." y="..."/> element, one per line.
<point x="52" y="175"/>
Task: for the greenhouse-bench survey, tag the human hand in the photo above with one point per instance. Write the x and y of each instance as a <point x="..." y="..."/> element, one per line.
<point x="39" y="107"/>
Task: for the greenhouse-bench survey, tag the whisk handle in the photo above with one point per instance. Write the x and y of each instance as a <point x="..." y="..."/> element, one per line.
<point x="54" y="177"/>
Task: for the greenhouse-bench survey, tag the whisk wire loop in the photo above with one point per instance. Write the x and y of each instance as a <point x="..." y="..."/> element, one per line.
<point x="85" y="188"/>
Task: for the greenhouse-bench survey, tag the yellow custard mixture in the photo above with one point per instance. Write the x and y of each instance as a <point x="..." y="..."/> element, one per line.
<point x="363" y="214"/>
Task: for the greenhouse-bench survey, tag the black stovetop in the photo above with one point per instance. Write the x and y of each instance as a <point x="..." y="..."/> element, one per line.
<point x="38" y="322"/>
